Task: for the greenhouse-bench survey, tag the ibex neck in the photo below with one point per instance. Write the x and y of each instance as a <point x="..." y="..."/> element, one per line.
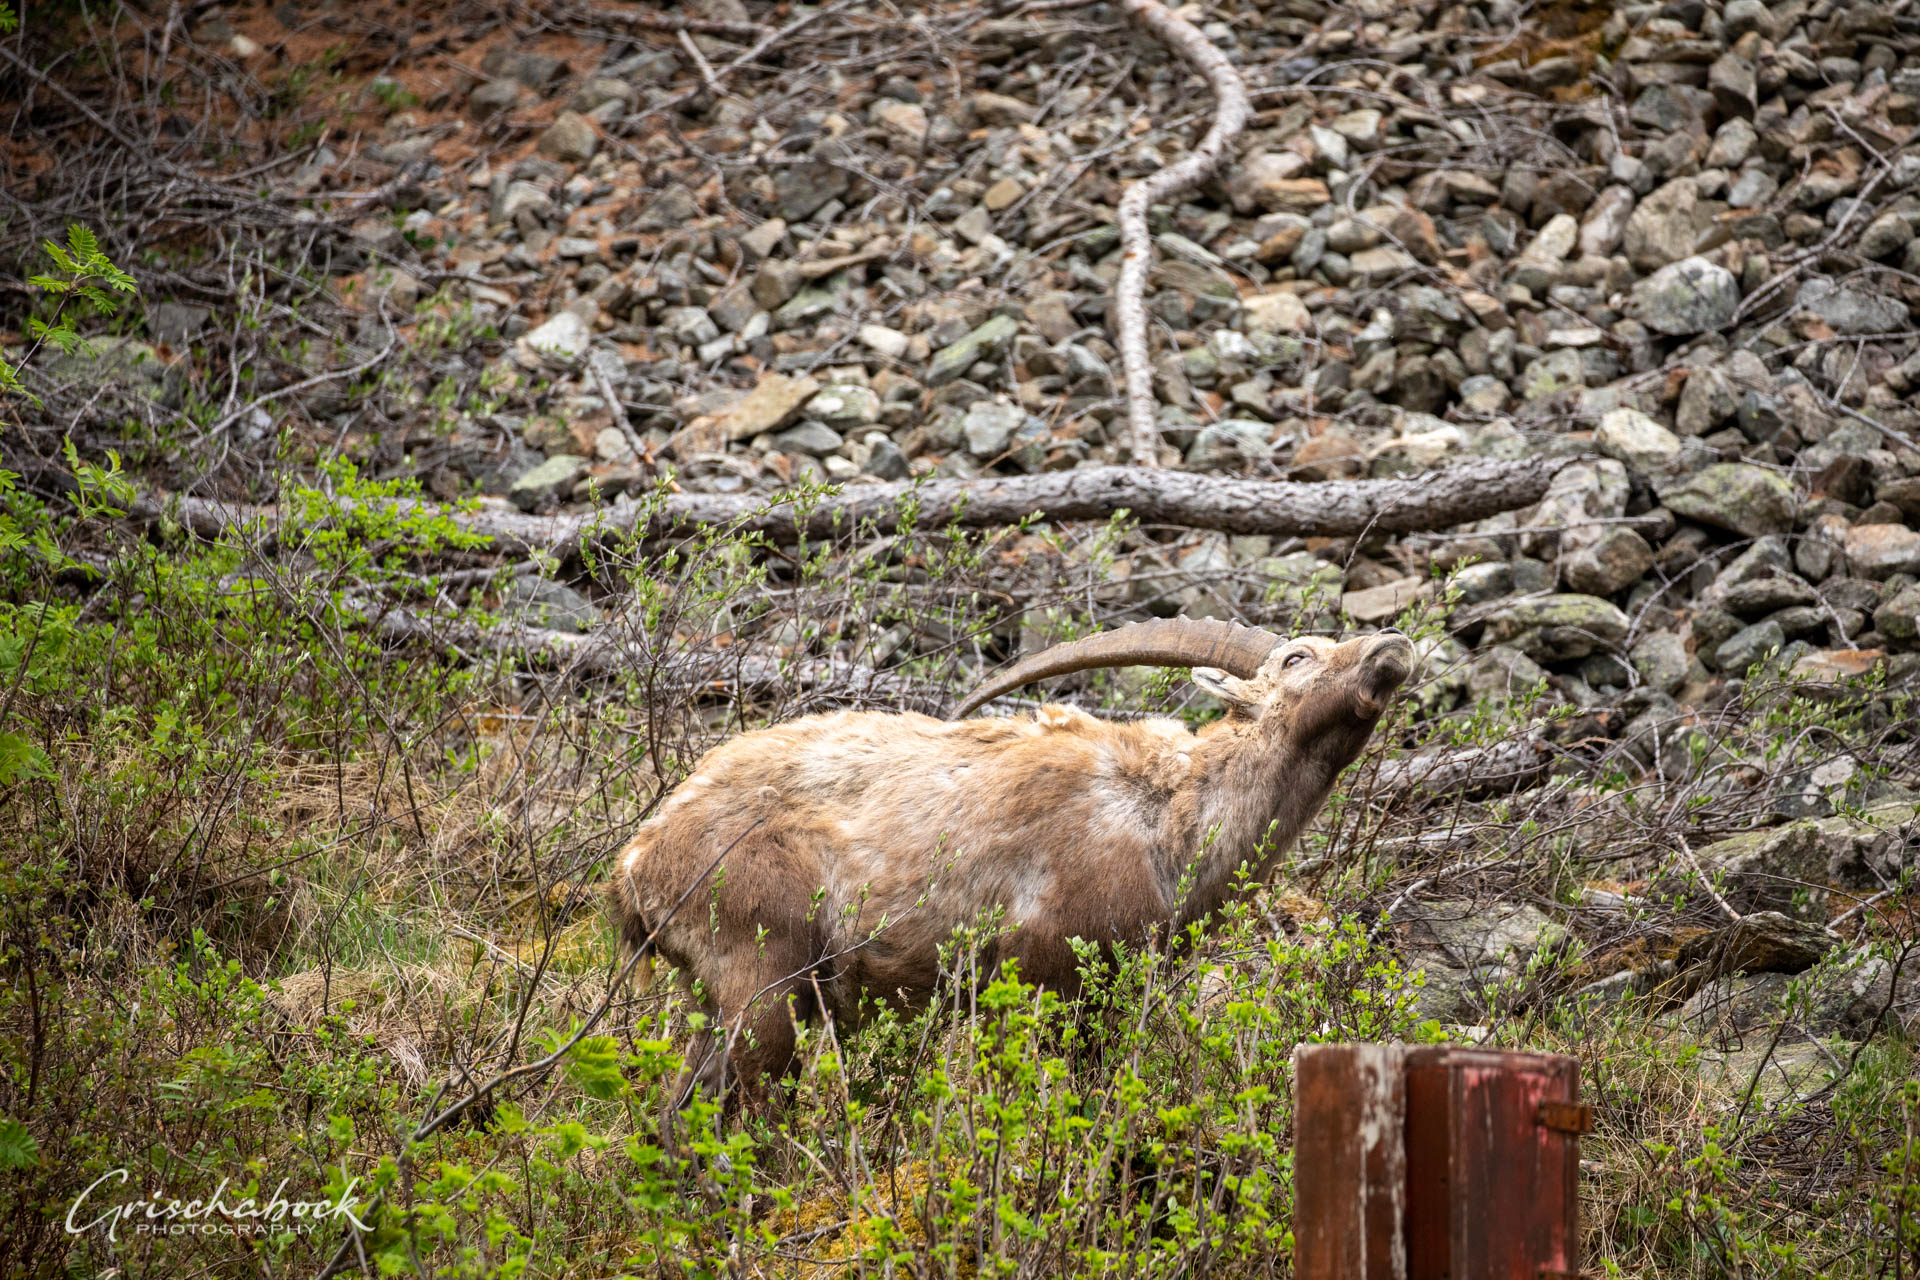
<point x="1248" y="804"/>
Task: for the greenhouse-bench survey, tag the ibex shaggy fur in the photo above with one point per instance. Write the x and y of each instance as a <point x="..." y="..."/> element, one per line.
<point x="844" y="849"/>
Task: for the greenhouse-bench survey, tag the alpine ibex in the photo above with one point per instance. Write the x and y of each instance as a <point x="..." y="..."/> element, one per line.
<point x="845" y="848"/>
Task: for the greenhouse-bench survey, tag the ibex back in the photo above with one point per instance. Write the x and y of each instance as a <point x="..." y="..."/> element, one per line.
<point x="846" y="848"/>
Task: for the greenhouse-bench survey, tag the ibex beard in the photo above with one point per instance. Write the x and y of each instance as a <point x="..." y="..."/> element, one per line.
<point x="841" y="851"/>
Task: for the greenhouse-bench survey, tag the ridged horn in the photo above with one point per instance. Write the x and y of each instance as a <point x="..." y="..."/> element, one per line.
<point x="1163" y="642"/>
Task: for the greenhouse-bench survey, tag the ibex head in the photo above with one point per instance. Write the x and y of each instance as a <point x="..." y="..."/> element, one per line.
<point x="1313" y="685"/>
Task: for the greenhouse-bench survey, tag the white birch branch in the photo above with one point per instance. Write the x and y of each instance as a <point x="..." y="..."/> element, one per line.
<point x="1129" y="303"/>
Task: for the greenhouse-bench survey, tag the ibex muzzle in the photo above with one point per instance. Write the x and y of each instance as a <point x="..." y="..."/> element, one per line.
<point x="850" y="846"/>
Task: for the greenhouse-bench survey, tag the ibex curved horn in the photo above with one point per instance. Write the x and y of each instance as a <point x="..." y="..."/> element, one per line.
<point x="1163" y="642"/>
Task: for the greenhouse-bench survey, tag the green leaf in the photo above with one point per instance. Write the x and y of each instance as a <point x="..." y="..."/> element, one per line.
<point x="18" y="1148"/>
<point x="20" y="759"/>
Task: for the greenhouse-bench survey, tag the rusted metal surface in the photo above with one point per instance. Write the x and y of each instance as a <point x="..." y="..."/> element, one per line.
<point x="1478" y="1181"/>
<point x="1349" y="1167"/>
<point x="1566" y="1117"/>
<point x="1493" y="1193"/>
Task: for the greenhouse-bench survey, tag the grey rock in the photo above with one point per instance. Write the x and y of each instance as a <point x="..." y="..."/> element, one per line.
<point x="1660" y="658"/>
<point x="674" y="207"/>
<point x="537" y="71"/>
<point x="1229" y="443"/>
<point x="176" y="323"/>
<point x="1637" y="441"/>
<point x="1756" y="643"/>
<point x="1850" y="309"/>
<point x="564" y="337"/>
<point x="552" y="605"/>
<point x="1685" y="297"/>
<point x="570" y="139"/>
<point x="1464" y="947"/>
<point x="990" y="426"/>
<point x="987" y="342"/>
<point x="1660" y="229"/>
<point x="1611" y="561"/>
<point x="815" y="439"/>
<point x="1735" y="496"/>
<point x="1758" y="942"/>
<point x="1783" y="869"/>
<point x="1879" y="551"/>
<point x="1898" y="618"/>
<point x="801" y="190"/>
<point x="549" y="483"/>
<point x="1556" y="628"/>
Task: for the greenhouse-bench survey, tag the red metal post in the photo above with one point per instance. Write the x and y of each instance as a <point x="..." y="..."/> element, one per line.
<point x="1349" y="1167"/>
<point x="1489" y="1146"/>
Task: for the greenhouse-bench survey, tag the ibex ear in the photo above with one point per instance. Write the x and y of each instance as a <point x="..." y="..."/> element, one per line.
<point x="1229" y="689"/>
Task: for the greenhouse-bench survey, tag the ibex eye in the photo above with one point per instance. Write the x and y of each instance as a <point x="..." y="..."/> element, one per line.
<point x="1293" y="658"/>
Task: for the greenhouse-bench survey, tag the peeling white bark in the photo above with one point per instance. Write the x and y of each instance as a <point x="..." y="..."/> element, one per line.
<point x="1129" y="304"/>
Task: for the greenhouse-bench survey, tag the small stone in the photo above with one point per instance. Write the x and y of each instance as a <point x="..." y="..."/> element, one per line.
<point x="844" y="407"/>
<point x="674" y="207"/>
<point x="1364" y="128"/>
<point x="1898" y="618"/>
<point x="1661" y="229"/>
<point x="1002" y="195"/>
<point x="1553" y="242"/>
<point x="1882" y="550"/>
<point x="598" y="92"/>
<point x="1749" y="645"/>
<point x="1610" y="562"/>
<point x="1555" y="628"/>
<point x="1851" y="310"/>
<point x="552" y="605"/>
<point x="997" y="110"/>
<point x="564" y="337"/>
<point x="549" y="483"/>
<point x="759" y="243"/>
<point x="1378" y="604"/>
<point x="906" y="121"/>
<point x="774" y="401"/>
<point x="1685" y="297"/>
<point x="1606" y="222"/>
<point x="1229" y="443"/>
<point x="1279" y="311"/>
<point x="989" y="427"/>
<point x="1885" y="236"/>
<point x="881" y="340"/>
<point x="802" y="190"/>
<point x="987" y="342"/>
<point x="570" y="139"/>
<point x="1737" y="496"/>
<point x="1375" y="266"/>
<point x="1256" y="184"/>
<point x="815" y="439"/>
<point x="611" y="445"/>
<point x="1637" y="441"/>
<point x="1661" y="660"/>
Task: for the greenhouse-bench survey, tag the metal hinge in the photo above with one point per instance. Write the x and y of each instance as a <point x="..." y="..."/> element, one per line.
<point x="1564" y="1117"/>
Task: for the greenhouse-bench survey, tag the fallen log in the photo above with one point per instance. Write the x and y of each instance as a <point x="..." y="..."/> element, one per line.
<point x="1332" y="508"/>
<point x="1499" y="768"/>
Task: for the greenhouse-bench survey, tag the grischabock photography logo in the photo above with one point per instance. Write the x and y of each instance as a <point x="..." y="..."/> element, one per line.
<point x="106" y="1207"/>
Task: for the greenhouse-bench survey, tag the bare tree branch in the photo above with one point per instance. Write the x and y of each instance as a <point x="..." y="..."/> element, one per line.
<point x="1129" y="301"/>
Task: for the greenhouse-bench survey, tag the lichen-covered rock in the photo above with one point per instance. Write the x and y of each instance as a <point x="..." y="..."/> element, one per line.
<point x="1685" y="297"/>
<point x="1736" y="496"/>
<point x="1557" y="628"/>
<point x="987" y="342"/>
